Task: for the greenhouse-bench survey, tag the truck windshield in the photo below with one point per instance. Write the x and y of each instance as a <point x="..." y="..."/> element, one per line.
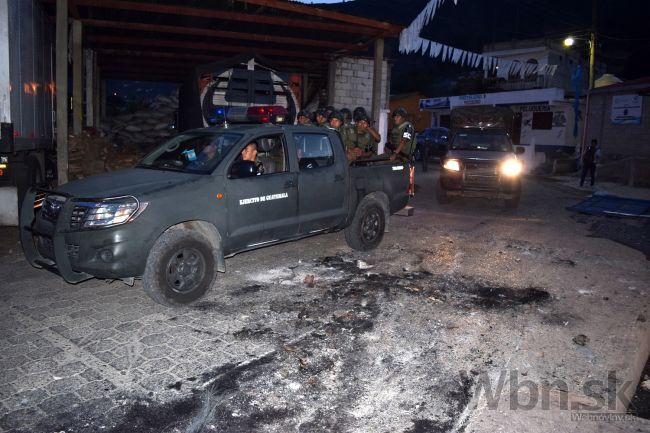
<point x="490" y="141"/>
<point x="192" y="152"/>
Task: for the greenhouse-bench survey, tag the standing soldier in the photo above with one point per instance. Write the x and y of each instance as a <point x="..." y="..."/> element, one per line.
<point x="402" y="143"/>
<point x="402" y="137"/>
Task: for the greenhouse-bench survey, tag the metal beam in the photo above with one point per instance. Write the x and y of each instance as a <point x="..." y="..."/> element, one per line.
<point x="157" y="28"/>
<point x="77" y="78"/>
<point x="376" y="78"/>
<point x="62" y="90"/>
<point x="110" y="53"/>
<point x="390" y="29"/>
<point x="203" y="46"/>
<point x="225" y="15"/>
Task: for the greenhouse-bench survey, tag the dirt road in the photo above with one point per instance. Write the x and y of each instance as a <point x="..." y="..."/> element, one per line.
<point x="469" y="317"/>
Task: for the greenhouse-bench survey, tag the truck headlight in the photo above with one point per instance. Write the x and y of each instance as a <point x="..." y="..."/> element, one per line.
<point x="107" y="212"/>
<point x="511" y="168"/>
<point x="452" y="164"/>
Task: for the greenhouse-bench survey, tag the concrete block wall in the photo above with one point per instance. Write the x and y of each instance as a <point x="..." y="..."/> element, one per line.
<point x="351" y="83"/>
<point x="618" y="140"/>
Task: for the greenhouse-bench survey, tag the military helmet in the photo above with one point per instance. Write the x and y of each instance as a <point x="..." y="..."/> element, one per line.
<point x="400" y="112"/>
<point x="358" y="112"/>
<point x="347" y="115"/>
<point x="335" y="115"/>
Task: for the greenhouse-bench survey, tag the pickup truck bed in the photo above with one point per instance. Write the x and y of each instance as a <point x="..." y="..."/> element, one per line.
<point x="193" y="201"/>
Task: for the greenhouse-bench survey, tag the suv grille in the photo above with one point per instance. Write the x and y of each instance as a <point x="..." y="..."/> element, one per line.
<point x="482" y="174"/>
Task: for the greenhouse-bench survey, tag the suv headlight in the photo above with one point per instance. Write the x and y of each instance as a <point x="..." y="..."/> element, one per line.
<point x="452" y="164"/>
<point x="511" y="168"/>
<point x="107" y="212"/>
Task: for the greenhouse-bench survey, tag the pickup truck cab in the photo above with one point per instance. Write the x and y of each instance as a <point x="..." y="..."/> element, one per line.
<point x="193" y="201"/>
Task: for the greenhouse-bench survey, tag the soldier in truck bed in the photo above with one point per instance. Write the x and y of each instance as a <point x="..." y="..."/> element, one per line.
<point x="362" y="139"/>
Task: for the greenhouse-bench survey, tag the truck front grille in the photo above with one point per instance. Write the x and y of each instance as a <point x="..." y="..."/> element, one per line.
<point x="77" y="217"/>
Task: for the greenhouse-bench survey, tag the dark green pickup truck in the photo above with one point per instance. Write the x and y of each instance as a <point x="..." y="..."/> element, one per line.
<point x="195" y="200"/>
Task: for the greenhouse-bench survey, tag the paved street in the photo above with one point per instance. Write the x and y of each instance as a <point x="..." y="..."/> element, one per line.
<point x="311" y="336"/>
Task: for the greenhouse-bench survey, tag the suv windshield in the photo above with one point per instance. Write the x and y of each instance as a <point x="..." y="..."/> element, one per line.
<point x="490" y="141"/>
<point x="192" y="152"/>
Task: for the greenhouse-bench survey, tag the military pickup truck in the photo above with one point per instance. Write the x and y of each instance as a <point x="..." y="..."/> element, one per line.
<point x="196" y="200"/>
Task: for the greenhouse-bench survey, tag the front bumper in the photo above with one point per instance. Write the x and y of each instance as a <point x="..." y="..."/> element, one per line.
<point x="78" y="255"/>
<point x="469" y="184"/>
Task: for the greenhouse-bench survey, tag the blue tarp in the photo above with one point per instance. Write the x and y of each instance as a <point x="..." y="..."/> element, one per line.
<point x="606" y="204"/>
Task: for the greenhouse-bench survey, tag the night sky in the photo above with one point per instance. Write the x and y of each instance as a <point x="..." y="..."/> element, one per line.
<point x="623" y="35"/>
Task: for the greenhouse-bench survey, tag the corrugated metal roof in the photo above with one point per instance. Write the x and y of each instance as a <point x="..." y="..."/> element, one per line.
<point x="164" y="39"/>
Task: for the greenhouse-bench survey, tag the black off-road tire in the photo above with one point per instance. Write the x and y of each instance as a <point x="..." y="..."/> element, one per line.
<point x="180" y="268"/>
<point x="441" y="195"/>
<point x="366" y="230"/>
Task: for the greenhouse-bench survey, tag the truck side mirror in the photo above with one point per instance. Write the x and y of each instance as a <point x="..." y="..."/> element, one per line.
<point x="242" y="168"/>
<point x="519" y="150"/>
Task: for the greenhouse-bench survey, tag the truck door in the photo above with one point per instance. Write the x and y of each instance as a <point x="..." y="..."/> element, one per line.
<point x="322" y="185"/>
<point x="262" y="206"/>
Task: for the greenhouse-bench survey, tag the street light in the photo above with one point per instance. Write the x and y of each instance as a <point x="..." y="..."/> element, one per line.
<point x="569" y="41"/>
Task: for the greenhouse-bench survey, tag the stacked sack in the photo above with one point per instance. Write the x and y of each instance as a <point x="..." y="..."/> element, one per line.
<point x="146" y="127"/>
<point x="90" y="154"/>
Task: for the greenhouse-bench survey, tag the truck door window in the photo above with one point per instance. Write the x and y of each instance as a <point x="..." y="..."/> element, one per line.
<point x="314" y="151"/>
<point x="271" y="152"/>
<point x="271" y="158"/>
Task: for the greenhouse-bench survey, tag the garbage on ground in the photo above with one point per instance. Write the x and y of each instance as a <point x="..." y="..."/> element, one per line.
<point x="581" y="339"/>
<point x="309" y="280"/>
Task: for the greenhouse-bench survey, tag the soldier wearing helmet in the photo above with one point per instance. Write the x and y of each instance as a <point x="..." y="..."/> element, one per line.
<point x="363" y="138"/>
<point x="402" y="136"/>
<point x="304" y="117"/>
<point x="321" y="117"/>
<point x="335" y="120"/>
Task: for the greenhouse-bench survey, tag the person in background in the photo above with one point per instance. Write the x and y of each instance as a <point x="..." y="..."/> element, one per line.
<point x="590" y="159"/>
<point x="304" y="117"/>
<point x="402" y="144"/>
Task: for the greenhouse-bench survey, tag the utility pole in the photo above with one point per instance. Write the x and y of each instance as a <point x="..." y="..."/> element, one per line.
<point x="592" y="42"/>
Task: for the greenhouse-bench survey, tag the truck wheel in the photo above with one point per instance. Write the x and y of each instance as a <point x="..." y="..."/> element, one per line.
<point x="366" y="230"/>
<point x="441" y="195"/>
<point x="180" y="268"/>
<point x="513" y="203"/>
